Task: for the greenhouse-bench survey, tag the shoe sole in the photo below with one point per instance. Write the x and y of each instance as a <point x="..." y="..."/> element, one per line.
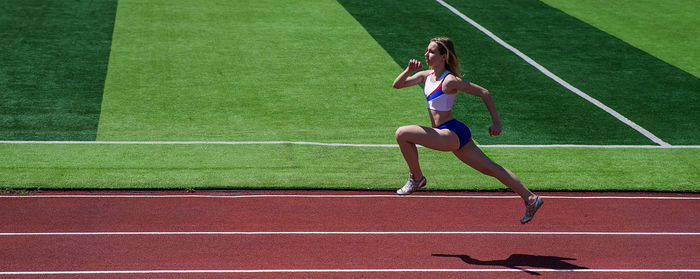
<point x="411" y="192"/>
<point x="538" y="203"/>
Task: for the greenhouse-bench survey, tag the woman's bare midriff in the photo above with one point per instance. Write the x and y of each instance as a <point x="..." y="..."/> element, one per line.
<point x="437" y="117"/>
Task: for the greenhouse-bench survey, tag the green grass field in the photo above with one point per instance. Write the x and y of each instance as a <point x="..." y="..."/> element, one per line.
<point x="665" y="29"/>
<point x="283" y="166"/>
<point x="53" y="58"/>
<point x="321" y="71"/>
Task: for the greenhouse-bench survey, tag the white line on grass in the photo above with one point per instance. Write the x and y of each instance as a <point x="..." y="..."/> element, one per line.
<point x="199" y="143"/>
<point x="555" y="77"/>
<point x="424" y="270"/>
<point x="7" y="234"/>
<point x="589" y="146"/>
<point x="334" y="144"/>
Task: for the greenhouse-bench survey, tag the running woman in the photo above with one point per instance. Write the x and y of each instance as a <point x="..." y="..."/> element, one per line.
<point x="442" y="83"/>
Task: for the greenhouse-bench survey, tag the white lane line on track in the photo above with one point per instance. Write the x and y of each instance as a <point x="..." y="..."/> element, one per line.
<point x="415" y="196"/>
<point x="556" y="78"/>
<point x="343" y="271"/>
<point x="8" y="234"/>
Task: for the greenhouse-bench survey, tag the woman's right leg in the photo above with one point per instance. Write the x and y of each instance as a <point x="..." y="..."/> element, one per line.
<point x="474" y="157"/>
<point x="438" y="139"/>
<point x="471" y="155"/>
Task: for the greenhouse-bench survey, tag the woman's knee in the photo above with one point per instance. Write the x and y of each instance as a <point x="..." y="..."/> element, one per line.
<point x="403" y="133"/>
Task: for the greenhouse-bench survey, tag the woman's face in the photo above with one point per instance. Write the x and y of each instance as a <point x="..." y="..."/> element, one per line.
<point x="433" y="56"/>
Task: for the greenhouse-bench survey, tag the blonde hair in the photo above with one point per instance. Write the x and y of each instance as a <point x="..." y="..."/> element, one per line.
<point x="447" y="47"/>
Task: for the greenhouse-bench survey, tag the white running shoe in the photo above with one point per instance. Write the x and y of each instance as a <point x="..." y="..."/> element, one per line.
<point x="530" y="210"/>
<point x="411" y="186"/>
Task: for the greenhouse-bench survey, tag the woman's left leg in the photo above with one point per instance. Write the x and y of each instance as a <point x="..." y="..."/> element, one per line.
<point x="408" y="136"/>
<point x="471" y="155"/>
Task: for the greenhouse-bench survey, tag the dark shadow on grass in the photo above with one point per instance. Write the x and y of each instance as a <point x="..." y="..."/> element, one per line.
<point x="529" y="102"/>
<point x="54" y="57"/>
<point x="522" y="262"/>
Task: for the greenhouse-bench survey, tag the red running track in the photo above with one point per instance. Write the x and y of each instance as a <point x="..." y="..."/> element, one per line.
<point x="333" y="234"/>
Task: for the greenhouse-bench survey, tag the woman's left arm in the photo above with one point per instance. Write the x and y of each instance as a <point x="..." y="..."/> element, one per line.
<point x="454" y="84"/>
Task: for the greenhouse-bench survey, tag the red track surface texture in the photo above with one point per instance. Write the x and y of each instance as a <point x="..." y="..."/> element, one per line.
<point x="347" y="235"/>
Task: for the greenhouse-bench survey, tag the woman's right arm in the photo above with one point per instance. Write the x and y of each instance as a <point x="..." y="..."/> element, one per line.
<point x="405" y="79"/>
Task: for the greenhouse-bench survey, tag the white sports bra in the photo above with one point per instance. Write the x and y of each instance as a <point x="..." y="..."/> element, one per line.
<point x="437" y="99"/>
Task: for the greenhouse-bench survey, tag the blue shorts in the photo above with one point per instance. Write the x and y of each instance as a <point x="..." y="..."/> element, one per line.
<point x="458" y="128"/>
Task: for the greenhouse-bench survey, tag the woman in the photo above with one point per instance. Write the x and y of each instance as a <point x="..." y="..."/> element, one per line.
<point x="442" y="83"/>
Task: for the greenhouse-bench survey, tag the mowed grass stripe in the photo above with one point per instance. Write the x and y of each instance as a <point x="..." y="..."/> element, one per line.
<point x="534" y="109"/>
<point x="554" y="77"/>
<point x="53" y="61"/>
<point x="650" y="92"/>
<point x="668" y="30"/>
<point x="248" y="71"/>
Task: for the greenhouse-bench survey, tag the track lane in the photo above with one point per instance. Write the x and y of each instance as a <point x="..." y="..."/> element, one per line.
<point x="341" y="213"/>
<point x="272" y="252"/>
<point x="337" y="213"/>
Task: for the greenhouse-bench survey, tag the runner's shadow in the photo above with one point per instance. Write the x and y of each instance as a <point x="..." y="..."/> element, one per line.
<point x="522" y="262"/>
